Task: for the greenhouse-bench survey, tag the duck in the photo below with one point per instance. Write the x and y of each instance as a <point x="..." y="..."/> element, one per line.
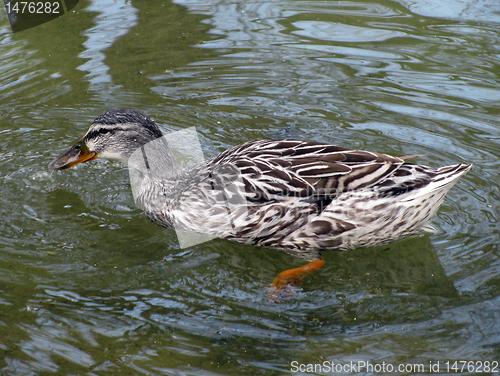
<point x="298" y="197"/>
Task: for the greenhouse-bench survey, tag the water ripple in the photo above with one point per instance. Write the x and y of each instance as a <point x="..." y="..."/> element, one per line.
<point x="88" y="285"/>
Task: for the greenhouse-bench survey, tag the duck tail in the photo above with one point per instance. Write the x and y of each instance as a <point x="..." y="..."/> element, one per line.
<point x="441" y="183"/>
<point x="447" y="176"/>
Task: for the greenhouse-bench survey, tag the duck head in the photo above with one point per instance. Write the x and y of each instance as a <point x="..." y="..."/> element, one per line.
<point x="114" y="135"/>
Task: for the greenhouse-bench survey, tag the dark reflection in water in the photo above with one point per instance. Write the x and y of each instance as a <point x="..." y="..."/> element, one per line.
<point x="89" y="286"/>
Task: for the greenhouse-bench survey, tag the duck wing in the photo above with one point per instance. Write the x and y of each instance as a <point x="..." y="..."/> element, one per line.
<point x="277" y="170"/>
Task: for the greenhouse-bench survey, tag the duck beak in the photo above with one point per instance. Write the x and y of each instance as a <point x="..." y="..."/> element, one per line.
<point x="78" y="153"/>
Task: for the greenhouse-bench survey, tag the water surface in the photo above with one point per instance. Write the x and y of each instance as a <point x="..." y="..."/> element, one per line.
<point x="89" y="286"/>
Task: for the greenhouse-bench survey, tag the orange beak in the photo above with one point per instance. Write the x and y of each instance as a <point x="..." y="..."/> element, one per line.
<point x="78" y="153"/>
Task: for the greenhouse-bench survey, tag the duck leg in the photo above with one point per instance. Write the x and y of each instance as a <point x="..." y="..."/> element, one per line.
<point x="290" y="277"/>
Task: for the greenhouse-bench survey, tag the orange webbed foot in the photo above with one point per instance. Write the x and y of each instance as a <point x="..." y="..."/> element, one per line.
<point x="284" y="282"/>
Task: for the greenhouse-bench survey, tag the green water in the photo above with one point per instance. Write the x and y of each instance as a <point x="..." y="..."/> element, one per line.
<point x="89" y="286"/>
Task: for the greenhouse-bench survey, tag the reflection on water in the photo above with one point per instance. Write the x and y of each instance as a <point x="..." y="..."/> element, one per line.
<point x="114" y="20"/>
<point x="482" y="10"/>
<point x="88" y="285"/>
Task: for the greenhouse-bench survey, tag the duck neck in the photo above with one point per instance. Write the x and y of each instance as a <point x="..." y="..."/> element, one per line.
<point x="155" y="161"/>
<point x="153" y="174"/>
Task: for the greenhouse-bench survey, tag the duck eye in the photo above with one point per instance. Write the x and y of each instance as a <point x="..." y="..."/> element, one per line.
<point x="103" y="131"/>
